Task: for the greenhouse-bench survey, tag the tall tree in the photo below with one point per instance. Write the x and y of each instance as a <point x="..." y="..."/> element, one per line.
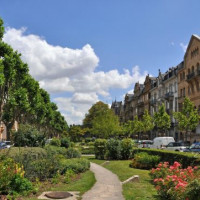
<point x="101" y="121"/>
<point x="162" y="119"/>
<point x="97" y="109"/>
<point x="21" y="98"/>
<point x="105" y="125"/>
<point x="147" y="121"/>
<point x="188" y="118"/>
<point x="137" y="126"/>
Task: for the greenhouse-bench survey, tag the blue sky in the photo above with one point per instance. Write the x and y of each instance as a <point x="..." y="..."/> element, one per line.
<point x="83" y="51"/>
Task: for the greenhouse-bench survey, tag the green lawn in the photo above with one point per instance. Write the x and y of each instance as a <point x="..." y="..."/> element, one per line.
<point x="82" y="185"/>
<point x="143" y="190"/>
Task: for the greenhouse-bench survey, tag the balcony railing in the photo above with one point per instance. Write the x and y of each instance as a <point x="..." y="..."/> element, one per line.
<point x="169" y="95"/>
<point x="190" y="76"/>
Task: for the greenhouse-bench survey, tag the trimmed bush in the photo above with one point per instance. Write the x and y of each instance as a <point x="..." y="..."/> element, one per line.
<point x="143" y="160"/>
<point x="72" y="153"/>
<point x="186" y="159"/>
<point x="126" y="148"/>
<point x="113" y="149"/>
<point x="55" y="142"/>
<point x="100" y="148"/>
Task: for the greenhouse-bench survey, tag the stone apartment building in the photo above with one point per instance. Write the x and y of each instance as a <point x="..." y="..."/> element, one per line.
<point x="169" y="88"/>
<point x="189" y="80"/>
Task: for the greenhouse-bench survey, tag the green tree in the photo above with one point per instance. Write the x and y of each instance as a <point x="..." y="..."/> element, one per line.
<point x="105" y="124"/>
<point x="137" y="126"/>
<point x="97" y="109"/>
<point x="162" y="119"/>
<point x="128" y="128"/>
<point x="101" y="121"/>
<point x="21" y="98"/>
<point x="188" y="118"/>
<point x="76" y="133"/>
<point x="147" y="122"/>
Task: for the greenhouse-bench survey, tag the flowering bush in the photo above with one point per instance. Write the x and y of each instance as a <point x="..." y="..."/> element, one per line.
<point x="175" y="183"/>
<point x="12" y="177"/>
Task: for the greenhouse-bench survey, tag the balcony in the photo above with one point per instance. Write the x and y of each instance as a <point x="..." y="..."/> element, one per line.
<point x="153" y="102"/>
<point x="169" y="96"/>
<point x="190" y="76"/>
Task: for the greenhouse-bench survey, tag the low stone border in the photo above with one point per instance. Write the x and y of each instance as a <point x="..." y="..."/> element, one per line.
<point x="134" y="178"/>
<point x="74" y="197"/>
<point x="106" y="162"/>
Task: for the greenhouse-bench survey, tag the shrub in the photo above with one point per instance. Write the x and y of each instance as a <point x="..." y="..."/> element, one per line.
<point x="55" y="150"/>
<point x="113" y="149"/>
<point x="89" y="140"/>
<point x="100" y="148"/>
<point x="144" y="161"/>
<point x="175" y="183"/>
<point x="20" y="184"/>
<point x="78" y="165"/>
<point x="44" y="168"/>
<point x="73" y="153"/>
<point x="55" y="142"/>
<point x="126" y="148"/>
<point x="193" y="190"/>
<point x="28" y="136"/>
<point x="87" y="150"/>
<point x="65" y="142"/>
<point x="69" y="174"/>
<point x="12" y="177"/>
<point x="186" y="159"/>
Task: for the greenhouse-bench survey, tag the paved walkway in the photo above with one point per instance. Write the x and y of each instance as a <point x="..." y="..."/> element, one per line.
<point x="107" y="186"/>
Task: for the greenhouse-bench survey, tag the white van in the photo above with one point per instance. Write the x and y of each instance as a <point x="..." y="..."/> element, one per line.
<point x="161" y="142"/>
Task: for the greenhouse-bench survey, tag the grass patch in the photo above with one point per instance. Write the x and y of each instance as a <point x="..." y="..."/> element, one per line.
<point x="82" y="184"/>
<point x="143" y="190"/>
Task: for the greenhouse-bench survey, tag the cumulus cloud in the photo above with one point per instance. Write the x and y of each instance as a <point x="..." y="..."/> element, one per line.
<point x="50" y="61"/>
<point x="70" y="71"/>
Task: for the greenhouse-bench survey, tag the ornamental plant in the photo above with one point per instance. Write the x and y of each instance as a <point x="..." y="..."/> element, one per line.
<point x="12" y="177"/>
<point x="173" y="182"/>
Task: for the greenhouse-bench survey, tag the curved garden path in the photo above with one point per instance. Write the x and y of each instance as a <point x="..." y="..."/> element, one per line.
<point x="107" y="186"/>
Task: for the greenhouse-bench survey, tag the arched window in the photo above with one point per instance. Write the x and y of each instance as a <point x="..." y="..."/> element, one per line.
<point x="192" y="69"/>
<point x="188" y="71"/>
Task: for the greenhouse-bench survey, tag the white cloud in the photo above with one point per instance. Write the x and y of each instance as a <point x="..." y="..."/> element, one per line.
<point x="70" y="71"/>
<point x="184" y="47"/>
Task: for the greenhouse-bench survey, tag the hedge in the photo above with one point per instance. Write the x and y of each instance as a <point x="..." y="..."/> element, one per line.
<point x="18" y="153"/>
<point x="186" y="159"/>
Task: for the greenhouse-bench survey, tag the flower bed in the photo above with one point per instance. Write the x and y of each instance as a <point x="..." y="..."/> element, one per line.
<point x="175" y="183"/>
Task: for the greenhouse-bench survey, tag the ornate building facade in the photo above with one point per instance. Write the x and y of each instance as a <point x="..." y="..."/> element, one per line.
<point x="169" y="88"/>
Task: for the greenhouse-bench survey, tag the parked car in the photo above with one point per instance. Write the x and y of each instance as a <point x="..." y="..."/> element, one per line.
<point x="195" y="147"/>
<point x="161" y="142"/>
<point x="2" y="145"/>
<point x="175" y="146"/>
<point x="145" y="143"/>
<point x="8" y="144"/>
